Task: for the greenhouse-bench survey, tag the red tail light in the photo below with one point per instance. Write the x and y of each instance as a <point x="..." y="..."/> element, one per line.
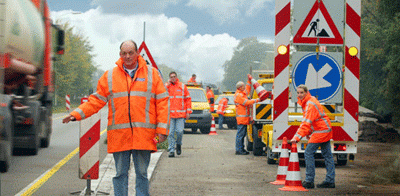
<point x="339" y="147"/>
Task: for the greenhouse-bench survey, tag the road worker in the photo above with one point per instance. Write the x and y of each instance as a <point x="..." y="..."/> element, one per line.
<point x="222" y="105"/>
<point x="243" y="105"/>
<point x="138" y="112"/>
<point x="192" y="80"/>
<point x="317" y="124"/>
<point x="210" y="98"/>
<point x="180" y="109"/>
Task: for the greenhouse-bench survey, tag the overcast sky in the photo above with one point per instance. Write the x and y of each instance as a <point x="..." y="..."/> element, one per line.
<point x="192" y="36"/>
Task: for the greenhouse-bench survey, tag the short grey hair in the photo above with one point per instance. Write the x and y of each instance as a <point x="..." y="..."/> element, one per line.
<point x="304" y="87"/>
<point x="239" y="84"/>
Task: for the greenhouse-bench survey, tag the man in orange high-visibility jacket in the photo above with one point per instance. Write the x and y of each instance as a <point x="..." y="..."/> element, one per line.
<point x="192" y="80"/>
<point x="180" y="109"/>
<point x="138" y="112"/>
<point x="317" y="124"/>
<point x="223" y="103"/>
<point x="243" y="105"/>
<point x="210" y="98"/>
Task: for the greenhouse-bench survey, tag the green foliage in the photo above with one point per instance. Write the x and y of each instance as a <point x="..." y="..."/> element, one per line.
<point x="380" y="57"/>
<point x="249" y="54"/>
<point x="73" y="71"/>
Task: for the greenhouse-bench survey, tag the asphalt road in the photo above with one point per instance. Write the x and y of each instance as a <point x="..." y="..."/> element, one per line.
<point x="27" y="173"/>
<point x="208" y="166"/>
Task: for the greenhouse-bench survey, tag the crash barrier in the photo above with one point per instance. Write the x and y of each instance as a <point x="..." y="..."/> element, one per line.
<point x="213" y="131"/>
<point x="293" y="175"/>
<point x="283" y="164"/>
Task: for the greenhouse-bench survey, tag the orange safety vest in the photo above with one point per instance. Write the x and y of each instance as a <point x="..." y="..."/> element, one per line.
<point x="210" y="95"/>
<point x="192" y="81"/>
<point x="137" y="108"/>
<point x="223" y="103"/>
<point x="243" y="106"/>
<point x="315" y="122"/>
<point x="179" y="99"/>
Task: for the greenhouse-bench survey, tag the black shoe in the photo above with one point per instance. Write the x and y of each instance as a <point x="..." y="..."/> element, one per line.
<point x="242" y="153"/>
<point x="308" y="185"/>
<point x="326" y="185"/>
<point x="171" y="154"/>
<point x="178" y="149"/>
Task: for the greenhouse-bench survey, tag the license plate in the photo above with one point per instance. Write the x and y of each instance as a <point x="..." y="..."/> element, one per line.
<point x="191" y="121"/>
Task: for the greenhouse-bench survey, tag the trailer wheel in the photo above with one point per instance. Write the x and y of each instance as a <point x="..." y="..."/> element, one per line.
<point x="270" y="158"/>
<point x="3" y="166"/>
<point x="257" y="143"/>
<point x="194" y="130"/>
<point x="249" y="146"/>
<point x="35" y="127"/>
<point x="341" y="162"/>
<point x="46" y="127"/>
<point x="205" y="130"/>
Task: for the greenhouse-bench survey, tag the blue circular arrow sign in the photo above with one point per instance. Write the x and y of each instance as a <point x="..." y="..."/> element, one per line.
<point x="322" y="76"/>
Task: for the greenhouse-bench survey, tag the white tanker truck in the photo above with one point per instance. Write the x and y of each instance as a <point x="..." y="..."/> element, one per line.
<point x="26" y="86"/>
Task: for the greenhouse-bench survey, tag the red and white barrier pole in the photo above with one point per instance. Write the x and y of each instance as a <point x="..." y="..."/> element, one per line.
<point x="67" y="103"/>
<point x="89" y="149"/>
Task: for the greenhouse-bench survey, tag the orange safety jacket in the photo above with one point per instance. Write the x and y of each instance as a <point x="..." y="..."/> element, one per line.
<point x="315" y="122"/>
<point x="210" y="97"/>
<point x="222" y="105"/>
<point x="243" y="105"/>
<point x="137" y="108"/>
<point x="179" y="99"/>
<point x="192" y="81"/>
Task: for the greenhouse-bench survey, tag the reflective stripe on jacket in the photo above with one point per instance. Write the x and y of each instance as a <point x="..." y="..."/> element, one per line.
<point x="315" y="122"/>
<point x="210" y="98"/>
<point x="243" y="106"/>
<point x="223" y="103"/>
<point x="179" y="99"/>
<point x="138" y="107"/>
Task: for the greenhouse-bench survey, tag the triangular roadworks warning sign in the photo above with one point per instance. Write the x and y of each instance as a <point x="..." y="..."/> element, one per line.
<point x="146" y="55"/>
<point x="318" y="24"/>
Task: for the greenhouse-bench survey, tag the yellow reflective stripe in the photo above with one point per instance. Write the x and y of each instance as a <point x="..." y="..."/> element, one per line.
<point x="134" y="125"/>
<point x="80" y="113"/>
<point x="102" y="98"/>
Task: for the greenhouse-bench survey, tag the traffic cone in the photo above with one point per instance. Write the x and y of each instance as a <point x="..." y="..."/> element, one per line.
<point x="212" y="130"/>
<point x="261" y="92"/>
<point x="283" y="164"/>
<point x="293" y="176"/>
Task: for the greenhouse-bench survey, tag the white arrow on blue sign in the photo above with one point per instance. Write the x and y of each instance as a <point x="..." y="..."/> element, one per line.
<point x="322" y="75"/>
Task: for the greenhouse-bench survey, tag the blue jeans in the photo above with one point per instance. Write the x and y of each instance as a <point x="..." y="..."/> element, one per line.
<point x="176" y="126"/>
<point x="241" y="133"/>
<point x="220" y="121"/>
<point x="310" y="161"/>
<point x="141" y="159"/>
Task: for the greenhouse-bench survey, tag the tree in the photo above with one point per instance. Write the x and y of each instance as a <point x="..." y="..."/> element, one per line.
<point x="73" y="71"/>
<point x="250" y="53"/>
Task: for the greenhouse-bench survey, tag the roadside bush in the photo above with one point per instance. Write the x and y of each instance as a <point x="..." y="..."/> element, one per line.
<point x="389" y="172"/>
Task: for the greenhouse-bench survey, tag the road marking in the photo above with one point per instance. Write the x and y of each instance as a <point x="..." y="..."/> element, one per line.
<point x="36" y="184"/>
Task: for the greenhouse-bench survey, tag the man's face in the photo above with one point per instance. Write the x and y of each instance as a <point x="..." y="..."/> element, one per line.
<point x="194" y="77"/>
<point x="301" y="93"/>
<point x="129" y="54"/>
<point x="172" y="78"/>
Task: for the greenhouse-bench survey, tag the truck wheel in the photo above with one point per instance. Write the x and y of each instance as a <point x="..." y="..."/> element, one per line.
<point x="205" y="130"/>
<point x="249" y="146"/>
<point x="35" y="128"/>
<point x="270" y="158"/>
<point x="46" y="127"/>
<point x="257" y="143"/>
<point x="194" y="130"/>
<point x="232" y="126"/>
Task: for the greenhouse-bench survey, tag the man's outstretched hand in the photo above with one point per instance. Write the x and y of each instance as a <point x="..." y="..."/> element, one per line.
<point x="68" y="118"/>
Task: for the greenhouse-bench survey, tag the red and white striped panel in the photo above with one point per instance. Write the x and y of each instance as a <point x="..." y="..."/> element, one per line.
<point x="89" y="147"/>
<point x="352" y="68"/>
<point x="281" y="71"/>
<point x="67" y="102"/>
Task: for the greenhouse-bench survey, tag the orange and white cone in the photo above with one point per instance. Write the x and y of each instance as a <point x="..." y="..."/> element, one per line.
<point x="293" y="176"/>
<point x="213" y="131"/>
<point x="283" y="164"/>
<point x="261" y="92"/>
